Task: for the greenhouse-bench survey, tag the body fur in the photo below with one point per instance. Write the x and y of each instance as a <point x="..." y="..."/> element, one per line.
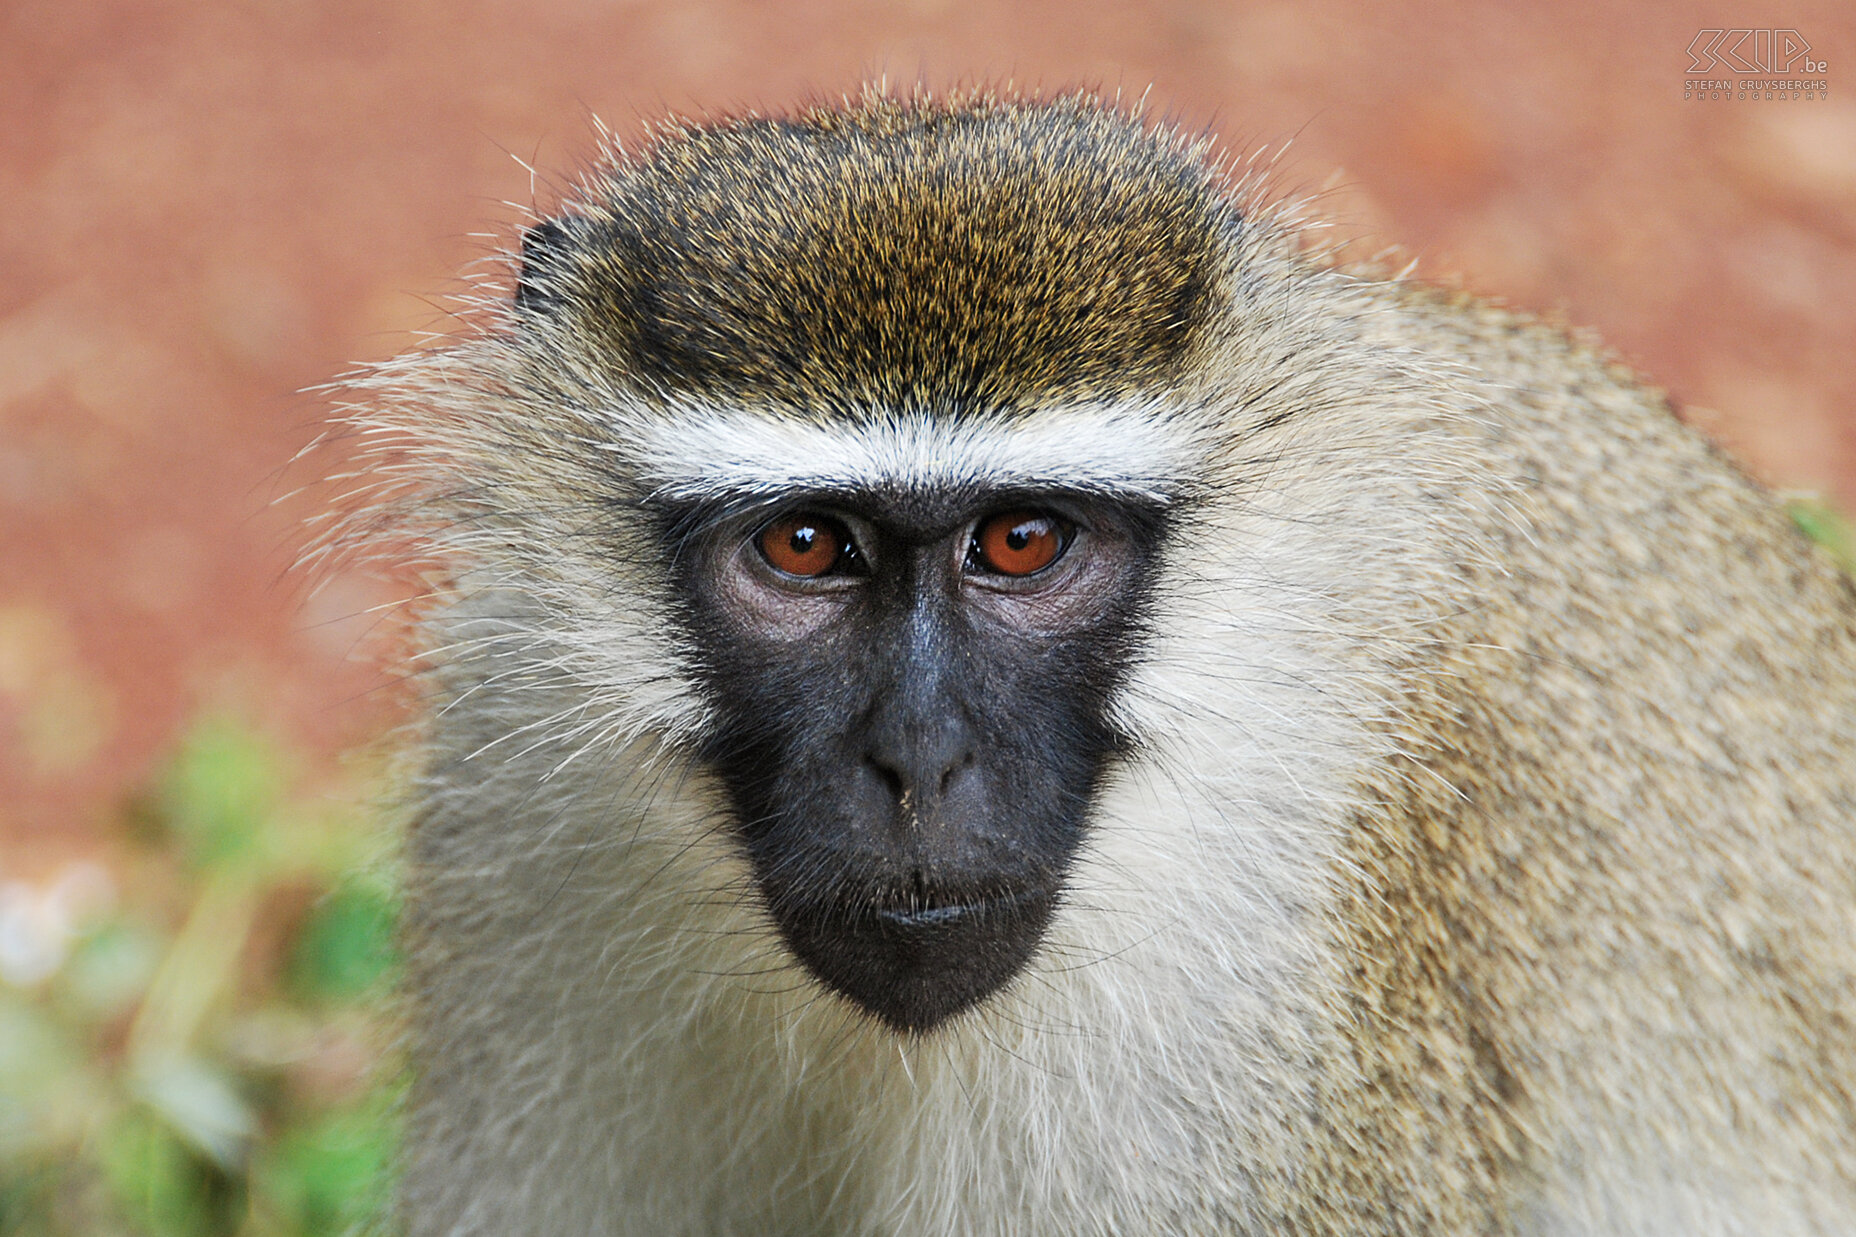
<point x="1483" y="864"/>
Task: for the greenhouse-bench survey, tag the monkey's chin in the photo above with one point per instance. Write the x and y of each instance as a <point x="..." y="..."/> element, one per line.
<point x="915" y="963"/>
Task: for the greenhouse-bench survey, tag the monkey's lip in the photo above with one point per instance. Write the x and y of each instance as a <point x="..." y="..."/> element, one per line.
<point x="945" y="913"/>
<point x="915" y="961"/>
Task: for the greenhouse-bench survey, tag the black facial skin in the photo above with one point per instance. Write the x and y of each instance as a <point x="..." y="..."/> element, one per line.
<point x="911" y="742"/>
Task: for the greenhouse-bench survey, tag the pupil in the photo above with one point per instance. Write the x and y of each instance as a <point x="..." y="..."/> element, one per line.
<point x="803" y="539"/>
<point x="1019" y="537"/>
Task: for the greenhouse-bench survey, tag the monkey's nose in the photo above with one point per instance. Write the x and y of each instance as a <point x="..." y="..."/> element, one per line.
<point x="920" y="765"/>
<point x="919" y="783"/>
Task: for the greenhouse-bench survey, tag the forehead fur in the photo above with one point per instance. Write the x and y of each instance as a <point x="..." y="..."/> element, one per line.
<point x="932" y="254"/>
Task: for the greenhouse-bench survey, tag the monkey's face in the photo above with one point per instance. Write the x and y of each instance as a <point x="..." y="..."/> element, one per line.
<point x="913" y="694"/>
<point x="902" y="391"/>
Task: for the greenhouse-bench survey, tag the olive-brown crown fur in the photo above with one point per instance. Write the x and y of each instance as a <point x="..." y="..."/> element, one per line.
<point x="904" y="253"/>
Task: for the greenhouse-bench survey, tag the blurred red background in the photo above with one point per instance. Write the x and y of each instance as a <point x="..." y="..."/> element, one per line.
<point x="210" y="207"/>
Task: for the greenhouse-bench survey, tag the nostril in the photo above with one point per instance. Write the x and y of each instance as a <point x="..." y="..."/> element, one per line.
<point x="890" y="777"/>
<point x="953" y="770"/>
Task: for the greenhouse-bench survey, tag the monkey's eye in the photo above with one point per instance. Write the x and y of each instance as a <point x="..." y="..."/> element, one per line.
<point x="1019" y="543"/>
<point x="806" y="544"/>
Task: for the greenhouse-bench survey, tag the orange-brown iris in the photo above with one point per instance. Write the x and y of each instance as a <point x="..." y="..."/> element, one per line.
<point x="803" y="544"/>
<point x="1017" y="543"/>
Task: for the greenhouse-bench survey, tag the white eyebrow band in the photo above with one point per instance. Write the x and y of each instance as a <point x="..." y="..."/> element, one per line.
<point x="715" y="452"/>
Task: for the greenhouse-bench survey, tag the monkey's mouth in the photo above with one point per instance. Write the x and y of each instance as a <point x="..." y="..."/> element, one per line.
<point x="915" y="961"/>
<point x="923" y="911"/>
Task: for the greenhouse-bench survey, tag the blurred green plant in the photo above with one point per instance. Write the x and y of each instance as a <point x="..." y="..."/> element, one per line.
<point x="207" y="1056"/>
<point x="1828" y="527"/>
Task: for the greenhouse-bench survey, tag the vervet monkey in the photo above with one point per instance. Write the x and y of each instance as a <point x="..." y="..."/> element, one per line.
<point x="983" y="687"/>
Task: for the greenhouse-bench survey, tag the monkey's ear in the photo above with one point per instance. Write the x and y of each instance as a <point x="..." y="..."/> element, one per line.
<point x="544" y="252"/>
